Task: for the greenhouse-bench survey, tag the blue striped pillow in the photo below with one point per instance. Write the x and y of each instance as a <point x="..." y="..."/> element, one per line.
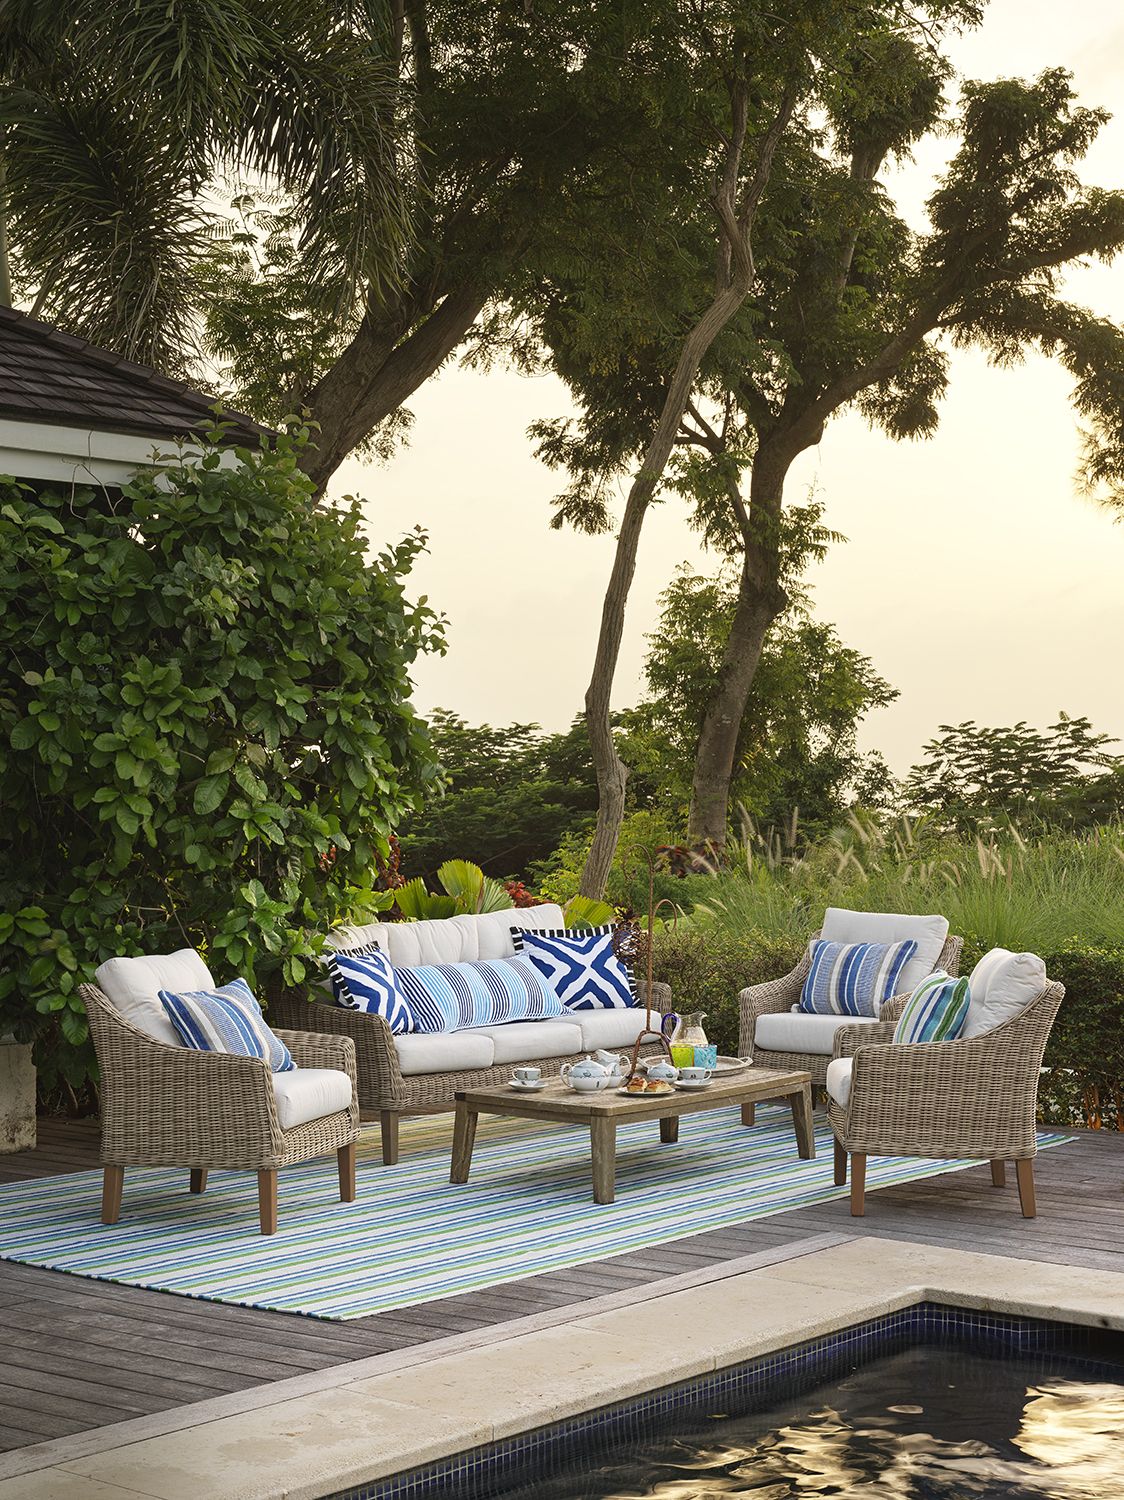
<point x="365" y="979"/>
<point x="484" y="992"/>
<point x="227" y="1019"/>
<point x="935" y="1012"/>
<point x="853" y="979"/>
<point x="581" y="967"/>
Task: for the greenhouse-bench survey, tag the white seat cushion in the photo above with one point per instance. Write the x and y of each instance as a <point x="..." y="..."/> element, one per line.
<point x="618" y="1027"/>
<point x="929" y="933"/>
<point x="309" y="1094"/>
<point x="839" y="1080"/>
<point x="795" y="1031"/>
<point x="443" y="1051"/>
<point x="520" y="1041"/>
<point x="134" y="985"/>
<point x="450" y="940"/>
<point x="1000" y="986"/>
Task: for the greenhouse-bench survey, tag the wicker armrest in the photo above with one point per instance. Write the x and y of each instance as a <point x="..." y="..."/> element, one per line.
<point x="848" y="1039"/>
<point x="661" y="995"/>
<point x="312" y="1049"/>
<point x="770" y="998"/>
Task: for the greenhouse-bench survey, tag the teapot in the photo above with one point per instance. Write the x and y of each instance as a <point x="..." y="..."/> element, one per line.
<point x="587" y="1076"/>
<point x="661" y="1070"/>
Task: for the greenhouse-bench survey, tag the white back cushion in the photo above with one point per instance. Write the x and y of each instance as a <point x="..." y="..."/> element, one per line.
<point x="1000" y="986"/>
<point x="929" y="933"/>
<point x="449" y="940"/>
<point x="133" y="984"/>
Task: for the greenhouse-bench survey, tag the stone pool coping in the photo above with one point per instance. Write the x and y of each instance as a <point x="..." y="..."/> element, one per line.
<point x="304" y="1438"/>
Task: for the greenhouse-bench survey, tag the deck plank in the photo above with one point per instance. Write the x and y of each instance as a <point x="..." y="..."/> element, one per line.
<point x="79" y="1354"/>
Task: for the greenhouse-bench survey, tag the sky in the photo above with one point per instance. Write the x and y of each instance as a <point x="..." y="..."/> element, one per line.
<point x="979" y="581"/>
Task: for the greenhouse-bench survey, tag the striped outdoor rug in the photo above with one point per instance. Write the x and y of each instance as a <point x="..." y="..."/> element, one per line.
<point x="412" y="1237"/>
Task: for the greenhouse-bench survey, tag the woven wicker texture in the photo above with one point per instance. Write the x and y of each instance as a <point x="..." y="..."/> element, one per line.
<point x="966" y="1098"/>
<point x="381" y="1084"/>
<point x="165" y="1106"/>
<point x="778" y="995"/>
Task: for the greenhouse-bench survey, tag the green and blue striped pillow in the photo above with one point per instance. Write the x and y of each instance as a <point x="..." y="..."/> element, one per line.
<point x="935" y="1012"/>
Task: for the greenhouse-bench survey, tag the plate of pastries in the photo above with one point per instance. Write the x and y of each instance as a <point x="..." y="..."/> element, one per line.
<point x="638" y="1085"/>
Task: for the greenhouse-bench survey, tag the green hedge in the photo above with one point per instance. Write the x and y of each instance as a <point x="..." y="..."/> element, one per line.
<point x="1084" y="1079"/>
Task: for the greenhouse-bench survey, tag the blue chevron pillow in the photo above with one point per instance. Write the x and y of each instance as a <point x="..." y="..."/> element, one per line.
<point x="581" y="967"/>
<point x="365" y="980"/>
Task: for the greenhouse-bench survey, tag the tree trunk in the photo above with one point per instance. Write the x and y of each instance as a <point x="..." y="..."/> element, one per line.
<point x="760" y="600"/>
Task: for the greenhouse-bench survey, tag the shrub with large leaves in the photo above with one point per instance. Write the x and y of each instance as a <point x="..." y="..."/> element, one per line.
<point x="205" y="729"/>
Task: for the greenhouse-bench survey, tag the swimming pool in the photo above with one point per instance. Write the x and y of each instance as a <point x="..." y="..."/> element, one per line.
<point x="930" y="1403"/>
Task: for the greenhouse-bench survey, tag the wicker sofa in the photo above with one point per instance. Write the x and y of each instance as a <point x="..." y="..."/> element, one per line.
<point x="975" y="1097"/>
<point x="421" y="1074"/>
<point x="776" y="1035"/>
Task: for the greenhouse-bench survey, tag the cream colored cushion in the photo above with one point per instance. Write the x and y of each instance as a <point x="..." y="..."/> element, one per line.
<point x="1000" y="986"/>
<point x="929" y="933"/>
<point x="451" y="940"/>
<point x="618" y="1027"/>
<point x="795" y="1031"/>
<point x="309" y="1094"/>
<point x="839" y="1080"/>
<point x="521" y="1041"/>
<point x="133" y="984"/>
<point x="442" y="1052"/>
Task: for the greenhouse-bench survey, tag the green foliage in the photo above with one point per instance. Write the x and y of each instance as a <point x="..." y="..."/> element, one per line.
<point x="205" y="729"/>
<point x="466" y="889"/>
<point x="797" y="746"/>
<point x="971" y="775"/>
<point x="510" y="795"/>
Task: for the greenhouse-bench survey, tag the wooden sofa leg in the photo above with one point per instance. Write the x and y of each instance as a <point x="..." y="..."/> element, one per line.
<point x="199" y="1179"/>
<point x="749" y="1114"/>
<point x="388" y="1122"/>
<point x="345" y="1158"/>
<point x="858" y="1184"/>
<point x="113" y="1180"/>
<point x="999" y="1174"/>
<point x="840" y="1163"/>
<point x="1024" y="1171"/>
<point x="267" y="1199"/>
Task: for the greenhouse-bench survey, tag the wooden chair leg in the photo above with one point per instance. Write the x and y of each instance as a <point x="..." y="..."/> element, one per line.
<point x="199" y="1179"/>
<point x="1024" y="1171"/>
<point x="267" y="1199"/>
<point x="388" y="1123"/>
<point x="749" y="1114"/>
<point x="858" y="1184"/>
<point x="999" y="1174"/>
<point x="840" y="1163"/>
<point x="345" y="1158"/>
<point x="113" y="1180"/>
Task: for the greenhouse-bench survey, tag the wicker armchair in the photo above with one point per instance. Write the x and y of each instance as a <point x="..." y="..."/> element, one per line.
<point x="778" y="995"/>
<point x="383" y="1089"/>
<point x="165" y="1106"/>
<point x="974" y="1097"/>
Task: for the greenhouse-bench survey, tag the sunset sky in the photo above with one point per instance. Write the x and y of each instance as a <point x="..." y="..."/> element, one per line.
<point x="979" y="581"/>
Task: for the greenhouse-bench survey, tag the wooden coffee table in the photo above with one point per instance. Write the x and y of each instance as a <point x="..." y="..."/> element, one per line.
<point x="602" y="1113"/>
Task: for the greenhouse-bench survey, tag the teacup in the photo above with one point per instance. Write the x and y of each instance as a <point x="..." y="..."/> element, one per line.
<point x="526" y="1075"/>
<point x="695" y="1075"/>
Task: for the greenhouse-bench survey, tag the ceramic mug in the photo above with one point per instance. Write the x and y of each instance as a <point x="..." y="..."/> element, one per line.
<point x="526" y="1075"/>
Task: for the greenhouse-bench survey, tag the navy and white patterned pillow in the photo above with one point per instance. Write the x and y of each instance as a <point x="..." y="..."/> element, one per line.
<point x="853" y="979"/>
<point x="227" y="1019"/>
<point x="365" y="979"/>
<point x="479" y="992"/>
<point x="582" y="967"/>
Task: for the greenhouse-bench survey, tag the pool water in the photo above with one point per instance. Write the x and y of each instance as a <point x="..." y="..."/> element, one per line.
<point x="926" y="1423"/>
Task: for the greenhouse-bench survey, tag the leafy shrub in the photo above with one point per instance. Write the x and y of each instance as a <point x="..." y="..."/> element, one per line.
<point x="205" y="729"/>
<point x="706" y="969"/>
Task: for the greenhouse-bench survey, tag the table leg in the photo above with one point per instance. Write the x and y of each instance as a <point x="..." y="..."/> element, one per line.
<point x="802" y="1122"/>
<point x="603" y="1142"/>
<point x="464" y="1137"/>
<point x="669" y="1130"/>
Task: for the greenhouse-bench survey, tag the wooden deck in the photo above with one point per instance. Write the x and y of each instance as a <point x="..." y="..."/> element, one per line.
<point x="80" y="1354"/>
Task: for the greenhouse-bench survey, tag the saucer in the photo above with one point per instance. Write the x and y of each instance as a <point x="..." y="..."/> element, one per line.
<point x="527" y="1088"/>
<point x="693" y="1083"/>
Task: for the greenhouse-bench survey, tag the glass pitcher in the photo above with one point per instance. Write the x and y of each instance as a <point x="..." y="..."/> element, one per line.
<point x="689" y="1046"/>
